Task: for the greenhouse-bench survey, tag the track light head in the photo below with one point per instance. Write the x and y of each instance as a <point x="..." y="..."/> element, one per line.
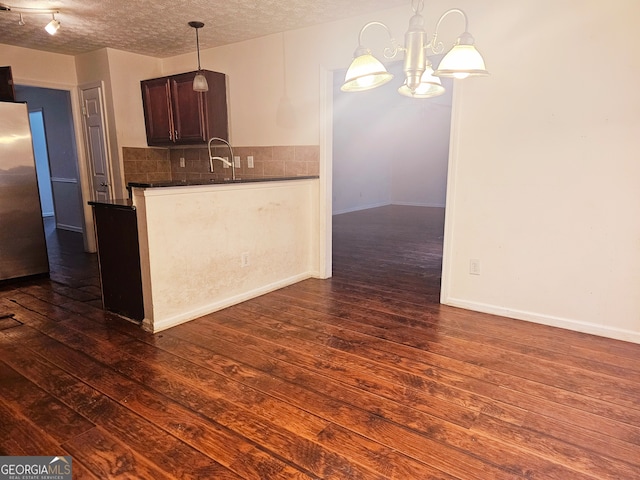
<point x="53" y="26"/>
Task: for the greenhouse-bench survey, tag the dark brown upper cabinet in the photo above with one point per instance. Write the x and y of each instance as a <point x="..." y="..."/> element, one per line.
<point x="7" y="93"/>
<point x="176" y="115"/>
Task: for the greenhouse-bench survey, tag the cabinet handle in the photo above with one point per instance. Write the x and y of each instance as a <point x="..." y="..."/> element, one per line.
<point x="176" y="136"/>
<point x="170" y="135"/>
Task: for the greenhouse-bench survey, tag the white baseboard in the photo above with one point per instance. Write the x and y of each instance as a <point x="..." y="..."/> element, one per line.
<point x="361" y="207"/>
<point x="71" y="228"/>
<point x="413" y="204"/>
<point x="376" y="205"/>
<point x="566" y="323"/>
<point x="163" y="324"/>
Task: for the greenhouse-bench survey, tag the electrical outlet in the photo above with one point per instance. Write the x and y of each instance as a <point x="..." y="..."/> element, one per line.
<point x="236" y="161"/>
<point x="250" y="161"/>
<point x="224" y="164"/>
<point x="244" y="259"/>
<point x="182" y="163"/>
<point x="474" y="266"/>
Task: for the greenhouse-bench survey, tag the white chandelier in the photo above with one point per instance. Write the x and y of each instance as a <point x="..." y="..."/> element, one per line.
<point x="421" y="81"/>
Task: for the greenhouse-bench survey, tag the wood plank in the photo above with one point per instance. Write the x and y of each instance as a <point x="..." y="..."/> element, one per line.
<point x="106" y="457"/>
<point x="374" y="342"/>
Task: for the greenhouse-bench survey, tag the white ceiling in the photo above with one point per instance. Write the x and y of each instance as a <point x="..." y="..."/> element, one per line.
<point x="159" y="27"/>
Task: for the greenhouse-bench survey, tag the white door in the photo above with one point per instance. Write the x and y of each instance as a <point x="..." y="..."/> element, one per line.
<point x="94" y="127"/>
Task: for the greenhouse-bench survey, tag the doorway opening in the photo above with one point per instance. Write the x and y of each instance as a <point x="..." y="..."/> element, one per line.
<point x="39" y="140"/>
<point x="390" y="160"/>
<point x="55" y="150"/>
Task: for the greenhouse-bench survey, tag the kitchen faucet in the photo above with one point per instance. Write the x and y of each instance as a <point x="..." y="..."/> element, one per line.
<point x="223" y="160"/>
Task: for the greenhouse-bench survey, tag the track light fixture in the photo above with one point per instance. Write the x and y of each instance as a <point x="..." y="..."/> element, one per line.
<point x="421" y="81"/>
<point x="51" y="27"/>
<point x="199" y="81"/>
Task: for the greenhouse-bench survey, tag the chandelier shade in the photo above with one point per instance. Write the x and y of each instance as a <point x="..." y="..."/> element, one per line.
<point x="428" y="87"/>
<point x="364" y="73"/>
<point x="462" y="61"/>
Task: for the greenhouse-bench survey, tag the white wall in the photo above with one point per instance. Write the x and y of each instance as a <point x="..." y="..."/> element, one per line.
<point x="193" y="240"/>
<point x="545" y="191"/>
<point x="36" y="68"/>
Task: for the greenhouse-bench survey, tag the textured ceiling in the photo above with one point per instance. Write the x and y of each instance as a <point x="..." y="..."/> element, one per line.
<point x="159" y="27"/>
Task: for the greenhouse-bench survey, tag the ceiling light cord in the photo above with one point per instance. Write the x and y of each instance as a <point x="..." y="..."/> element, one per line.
<point x="198" y="48"/>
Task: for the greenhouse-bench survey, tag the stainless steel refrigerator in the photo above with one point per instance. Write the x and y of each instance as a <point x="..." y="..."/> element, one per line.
<point x="23" y="248"/>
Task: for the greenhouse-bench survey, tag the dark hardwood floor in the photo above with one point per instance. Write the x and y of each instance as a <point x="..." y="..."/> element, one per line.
<point x="363" y="376"/>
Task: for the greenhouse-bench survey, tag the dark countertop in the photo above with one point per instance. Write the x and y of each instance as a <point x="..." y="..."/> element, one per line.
<point x="127" y="204"/>
<point x="124" y="203"/>
<point x="187" y="183"/>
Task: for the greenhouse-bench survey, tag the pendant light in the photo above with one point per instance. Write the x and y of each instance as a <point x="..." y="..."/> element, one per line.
<point x="199" y="81"/>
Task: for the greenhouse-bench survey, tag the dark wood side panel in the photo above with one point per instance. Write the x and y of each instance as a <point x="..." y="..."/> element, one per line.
<point x="119" y="259"/>
<point x="215" y="101"/>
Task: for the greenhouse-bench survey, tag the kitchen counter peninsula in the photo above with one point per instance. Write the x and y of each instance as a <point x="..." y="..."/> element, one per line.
<point x="207" y="245"/>
<point x="187" y="183"/>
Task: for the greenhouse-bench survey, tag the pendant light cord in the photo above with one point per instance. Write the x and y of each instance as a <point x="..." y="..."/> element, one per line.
<point x="198" y="48"/>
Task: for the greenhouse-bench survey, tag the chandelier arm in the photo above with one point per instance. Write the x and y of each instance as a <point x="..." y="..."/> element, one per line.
<point x="389" y="52"/>
<point x="437" y="46"/>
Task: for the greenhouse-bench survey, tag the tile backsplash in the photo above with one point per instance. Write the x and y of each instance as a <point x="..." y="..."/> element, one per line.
<point x="159" y="164"/>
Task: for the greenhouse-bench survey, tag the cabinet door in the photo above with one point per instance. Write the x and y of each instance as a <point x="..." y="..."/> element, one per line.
<point x="156" y="100"/>
<point x="7" y="93"/>
<point x="189" y="120"/>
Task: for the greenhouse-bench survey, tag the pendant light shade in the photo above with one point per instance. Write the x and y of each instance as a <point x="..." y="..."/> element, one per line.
<point x="200" y="83"/>
<point x="366" y="72"/>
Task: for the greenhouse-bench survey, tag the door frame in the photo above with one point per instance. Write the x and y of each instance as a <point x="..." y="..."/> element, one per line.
<point x="105" y="135"/>
<point x="41" y="180"/>
<point x="326" y="179"/>
<point x="88" y="235"/>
